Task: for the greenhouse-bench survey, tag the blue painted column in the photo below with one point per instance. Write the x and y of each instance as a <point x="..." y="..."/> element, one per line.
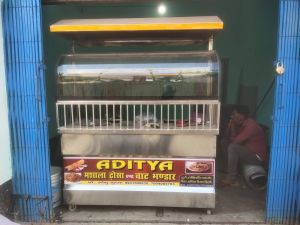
<point x="283" y="205"/>
<point x="5" y="160"/>
<point x="27" y="109"/>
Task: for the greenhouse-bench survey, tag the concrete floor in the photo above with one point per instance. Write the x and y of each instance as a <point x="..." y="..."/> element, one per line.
<point x="234" y="205"/>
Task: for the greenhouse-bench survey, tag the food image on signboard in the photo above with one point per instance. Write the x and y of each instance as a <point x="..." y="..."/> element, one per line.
<point x="198" y="167"/>
<point x="76" y="166"/>
<point x="72" y="177"/>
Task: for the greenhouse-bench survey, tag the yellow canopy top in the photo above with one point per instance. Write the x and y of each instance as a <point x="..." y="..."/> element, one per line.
<point x="139" y="24"/>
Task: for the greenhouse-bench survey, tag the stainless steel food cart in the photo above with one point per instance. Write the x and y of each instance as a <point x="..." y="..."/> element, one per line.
<point x="139" y="128"/>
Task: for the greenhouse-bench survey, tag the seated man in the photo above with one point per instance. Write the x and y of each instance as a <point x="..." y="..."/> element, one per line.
<point x="247" y="142"/>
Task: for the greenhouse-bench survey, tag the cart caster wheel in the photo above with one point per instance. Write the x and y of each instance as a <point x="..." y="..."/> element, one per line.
<point x="72" y="207"/>
<point x="208" y="212"/>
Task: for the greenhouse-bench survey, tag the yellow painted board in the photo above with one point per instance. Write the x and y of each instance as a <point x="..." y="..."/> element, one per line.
<point x="139" y="24"/>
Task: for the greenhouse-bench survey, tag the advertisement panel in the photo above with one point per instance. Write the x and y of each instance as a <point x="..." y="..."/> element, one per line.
<point x="139" y="171"/>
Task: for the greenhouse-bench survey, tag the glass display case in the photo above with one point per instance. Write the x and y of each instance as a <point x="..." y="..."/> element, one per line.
<point x="139" y="76"/>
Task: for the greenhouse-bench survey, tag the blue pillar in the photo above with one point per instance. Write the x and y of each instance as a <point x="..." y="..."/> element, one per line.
<point x="27" y="109"/>
<point x="283" y="204"/>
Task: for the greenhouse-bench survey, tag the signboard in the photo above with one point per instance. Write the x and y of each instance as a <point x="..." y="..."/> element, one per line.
<point x="139" y="171"/>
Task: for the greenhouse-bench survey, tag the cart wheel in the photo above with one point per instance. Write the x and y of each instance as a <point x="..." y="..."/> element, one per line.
<point x="208" y="211"/>
<point x="72" y="207"/>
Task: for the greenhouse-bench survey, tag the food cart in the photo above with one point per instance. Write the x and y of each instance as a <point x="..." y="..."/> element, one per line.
<point x="139" y="129"/>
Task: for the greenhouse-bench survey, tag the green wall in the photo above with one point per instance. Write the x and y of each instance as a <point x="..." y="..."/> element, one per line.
<point x="248" y="42"/>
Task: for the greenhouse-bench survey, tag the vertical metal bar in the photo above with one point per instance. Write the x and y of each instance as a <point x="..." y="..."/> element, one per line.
<point x="175" y="116"/>
<point x="182" y="116"/>
<point x="189" y="116"/>
<point x="57" y="116"/>
<point x="93" y="108"/>
<point x="65" y="118"/>
<point x="161" y="116"/>
<point x="196" y="116"/>
<point x="134" y="116"/>
<point x="154" y="105"/>
<point x="141" y="115"/>
<point x="32" y="71"/>
<point x="79" y="115"/>
<point x="12" y="100"/>
<point x="86" y="117"/>
<point x="37" y="103"/>
<point x="218" y="116"/>
<point x="106" y="116"/>
<point x="100" y="116"/>
<point x="147" y="115"/>
<point x="204" y="120"/>
<point x="45" y="142"/>
<point x="120" y="116"/>
<point x="210" y="115"/>
<point x="114" y="115"/>
<point x="168" y="117"/>
<point x="25" y="210"/>
<point x="72" y="115"/>
<point x="127" y="116"/>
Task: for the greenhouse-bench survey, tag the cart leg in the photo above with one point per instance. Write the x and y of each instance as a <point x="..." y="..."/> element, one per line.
<point x="72" y="207"/>
<point x="160" y="212"/>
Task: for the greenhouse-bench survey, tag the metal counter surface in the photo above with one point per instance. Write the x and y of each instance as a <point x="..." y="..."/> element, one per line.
<point x="143" y="145"/>
<point x="195" y="197"/>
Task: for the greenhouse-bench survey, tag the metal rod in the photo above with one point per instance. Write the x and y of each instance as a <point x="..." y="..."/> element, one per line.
<point x="203" y="116"/>
<point x="114" y="117"/>
<point x="65" y="118"/>
<point x="196" y="116"/>
<point x="79" y="115"/>
<point x="93" y="109"/>
<point x="106" y="116"/>
<point x="189" y="116"/>
<point x="182" y="116"/>
<point x="100" y="116"/>
<point x="161" y="116"/>
<point x="72" y="115"/>
<point x="210" y="115"/>
<point x="218" y="117"/>
<point x="141" y="116"/>
<point x="154" y="115"/>
<point x="127" y="115"/>
<point x="57" y="116"/>
<point x="120" y="117"/>
<point x="168" y="116"/>
<point x="147" y="116"/>
<point x="164" y="102"/>
<point x="134" y="116"/>
<point x="86" y="117"/>
<point x="174" y="116"/>
<point x="211" y="43"/>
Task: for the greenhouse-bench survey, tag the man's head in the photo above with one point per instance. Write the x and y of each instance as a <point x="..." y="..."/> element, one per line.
<point x="239" y="114"/>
